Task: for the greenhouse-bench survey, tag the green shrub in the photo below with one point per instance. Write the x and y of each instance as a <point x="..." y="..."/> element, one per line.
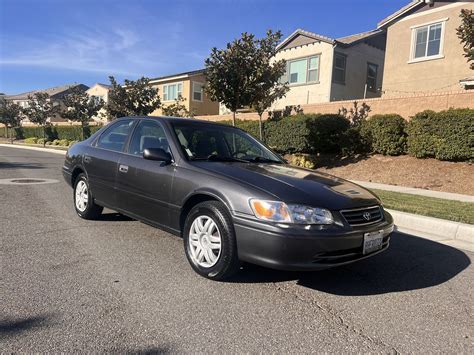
<point x="63" y="142"/>
<point x="48" y="143"/>
<point x="445" y="135"/>
<point x="31" y="140"/>
<point x="300" y="133"/>
<point x="41" y="141"/>
<point x="59" y="132"/>
<point x="55" y="142"/>
<point x="385" y="134"/>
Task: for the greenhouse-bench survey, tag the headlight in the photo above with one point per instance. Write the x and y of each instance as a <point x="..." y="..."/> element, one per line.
<point x="276" y="211"/>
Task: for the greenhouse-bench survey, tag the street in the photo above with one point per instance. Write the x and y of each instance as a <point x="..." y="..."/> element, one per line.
<point x="119" y="285"/>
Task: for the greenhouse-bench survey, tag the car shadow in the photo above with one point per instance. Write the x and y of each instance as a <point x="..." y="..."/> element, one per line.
<point x="114" y="217"/>
<point x="410" y="263"/>
<point x="14" y="326"/>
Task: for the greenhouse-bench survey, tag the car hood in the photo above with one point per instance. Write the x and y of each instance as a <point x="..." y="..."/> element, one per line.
<point x="296" y="185"/>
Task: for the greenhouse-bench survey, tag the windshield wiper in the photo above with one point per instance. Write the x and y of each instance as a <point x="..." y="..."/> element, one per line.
<point x="214" y="157"/>
<point x="264" y="160"/>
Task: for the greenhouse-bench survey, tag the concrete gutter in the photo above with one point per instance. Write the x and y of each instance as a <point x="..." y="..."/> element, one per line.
<point x="414" y="191"/>
<point x="455" y="234"/>
<point x="39" y="149"/>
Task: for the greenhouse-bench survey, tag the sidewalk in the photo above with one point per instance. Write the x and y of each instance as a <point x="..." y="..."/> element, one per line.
<point x="414" y="191"/>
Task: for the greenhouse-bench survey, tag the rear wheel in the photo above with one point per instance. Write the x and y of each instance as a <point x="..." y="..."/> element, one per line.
<point x="83" y="200"/>
<point x="209" y="241"/>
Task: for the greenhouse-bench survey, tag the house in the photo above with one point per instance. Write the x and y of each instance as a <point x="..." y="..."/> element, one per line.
<point x="322" y="69"/>
<point x="423" y="53"/>
<point x="100" y="91"/>
<point x="56" y="95"/>
<point x="189" y="86"/>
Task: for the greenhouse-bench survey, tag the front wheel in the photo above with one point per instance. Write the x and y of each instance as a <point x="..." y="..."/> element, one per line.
<point x="83" y="200"/>
<point x="209" y="241"/>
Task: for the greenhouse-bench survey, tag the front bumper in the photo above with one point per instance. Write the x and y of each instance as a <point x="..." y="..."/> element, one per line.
<point x="305" y="247"/>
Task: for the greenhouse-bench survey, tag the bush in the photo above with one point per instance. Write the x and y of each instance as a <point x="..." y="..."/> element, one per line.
<point x="63" y="142"/>
<point x="70" y="133"/>
<point x="301" y="133"/>
<point x="445" y="135"/>
<point x="41" y="141"/>
<point x="385" y="134"/>
<point x="55" y="142"/>
<point x="31" y="140"/>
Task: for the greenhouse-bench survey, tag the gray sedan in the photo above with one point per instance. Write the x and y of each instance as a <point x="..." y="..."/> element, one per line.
<point x="226" y="194"/>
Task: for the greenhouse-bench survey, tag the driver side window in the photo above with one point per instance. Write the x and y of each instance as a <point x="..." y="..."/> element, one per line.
<point x="148" y="134"/>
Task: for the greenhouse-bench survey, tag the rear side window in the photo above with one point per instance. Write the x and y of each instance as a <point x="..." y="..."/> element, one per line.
<point x="115" y="137"/>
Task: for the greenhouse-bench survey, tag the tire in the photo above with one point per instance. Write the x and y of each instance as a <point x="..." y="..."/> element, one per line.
<point x="224" y="261"/>
<point x="83" y="200"/>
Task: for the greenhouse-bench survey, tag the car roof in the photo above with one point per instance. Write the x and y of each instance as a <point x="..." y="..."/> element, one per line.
<point x="174" y="119"/>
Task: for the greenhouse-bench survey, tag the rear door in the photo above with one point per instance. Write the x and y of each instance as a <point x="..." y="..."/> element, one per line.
<point x="144" y="186"/>
<point x="101" y="161"/>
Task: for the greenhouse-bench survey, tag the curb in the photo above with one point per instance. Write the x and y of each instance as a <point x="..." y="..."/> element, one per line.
<point x="48" y="150"/>
<point x="456" y="234"/>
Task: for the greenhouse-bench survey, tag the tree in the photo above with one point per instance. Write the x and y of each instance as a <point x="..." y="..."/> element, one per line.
<point x="233" y="76"/>
<point x="10" y="115"/>
<point x="269" y="87"/>
<point x="177" y="109"/>
<point x="81" y="107"/>
<point x="40" y="109"/>
<point x="465" y="33"/>
<point x="134" y="98"/>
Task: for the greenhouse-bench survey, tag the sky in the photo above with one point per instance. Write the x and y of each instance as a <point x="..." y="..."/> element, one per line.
<point x="46" y="43"/>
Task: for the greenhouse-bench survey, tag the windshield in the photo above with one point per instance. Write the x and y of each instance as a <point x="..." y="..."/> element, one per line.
<point x="202" y="141"/>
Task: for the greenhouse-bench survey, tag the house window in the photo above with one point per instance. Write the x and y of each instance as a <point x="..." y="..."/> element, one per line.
<point x="339" y="70"/>
<point x="427" y="40"/>
<point x="372" y="77"/>
<point x="305" y="70"/>
<point x="172" y="91"/>
<point x="198" y="91"/>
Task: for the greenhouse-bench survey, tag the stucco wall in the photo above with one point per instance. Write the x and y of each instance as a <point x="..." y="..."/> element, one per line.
<point x="206" y="107"/>
<point x="404" y="106"/>
<point x="402" y="77"/>
<point x="308" y="93"/>
<point x="356" y="72"/>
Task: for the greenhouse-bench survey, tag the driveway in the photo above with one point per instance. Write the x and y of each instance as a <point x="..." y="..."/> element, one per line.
<point x="119" y="285"/>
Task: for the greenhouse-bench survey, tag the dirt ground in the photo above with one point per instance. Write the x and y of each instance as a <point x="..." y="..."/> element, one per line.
<point x="430" y="174"/>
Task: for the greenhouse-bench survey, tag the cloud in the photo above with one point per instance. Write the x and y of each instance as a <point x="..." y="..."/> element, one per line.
<point x="120" y="51"/>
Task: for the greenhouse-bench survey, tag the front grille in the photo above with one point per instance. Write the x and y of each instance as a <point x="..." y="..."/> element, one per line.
<point x="363" y="216"/>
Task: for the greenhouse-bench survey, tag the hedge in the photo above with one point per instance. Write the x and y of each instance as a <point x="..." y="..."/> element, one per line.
<point x="385" y="134"/>
<point x="71" y="133"/>
<point x="301" y="133"/>
<point x="445" y="135"/>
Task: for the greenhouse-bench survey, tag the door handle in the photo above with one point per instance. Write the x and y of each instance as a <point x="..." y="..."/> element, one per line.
<point x="87" y="159"/>
<point x="123" y="168"/>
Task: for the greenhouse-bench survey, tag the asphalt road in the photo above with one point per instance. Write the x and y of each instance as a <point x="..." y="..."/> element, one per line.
<point x="119" y="285"/>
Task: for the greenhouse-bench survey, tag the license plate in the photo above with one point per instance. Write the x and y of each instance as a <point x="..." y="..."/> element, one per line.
<point x="372" y="241"/>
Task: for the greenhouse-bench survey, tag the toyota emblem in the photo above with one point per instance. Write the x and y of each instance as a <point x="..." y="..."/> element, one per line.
<point x="367" y="216"/>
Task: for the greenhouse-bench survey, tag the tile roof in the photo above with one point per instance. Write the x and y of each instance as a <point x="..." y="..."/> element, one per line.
<point x="188" y="73"/>
<point x="403" y="10"/>
<point x="347" y="40"/>
<point x="358" y="37"/>
<point x="57" y="90"/>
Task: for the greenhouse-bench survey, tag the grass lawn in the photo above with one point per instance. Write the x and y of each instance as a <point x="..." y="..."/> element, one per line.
<point x="428" y="206"/>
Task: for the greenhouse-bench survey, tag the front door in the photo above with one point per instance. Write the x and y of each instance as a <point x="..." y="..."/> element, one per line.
<point x="101" y="161"/>
<point x="144" y="186"/>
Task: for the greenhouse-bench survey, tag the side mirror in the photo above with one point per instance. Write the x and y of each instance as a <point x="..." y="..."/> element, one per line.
<point x="157" y="154"/>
